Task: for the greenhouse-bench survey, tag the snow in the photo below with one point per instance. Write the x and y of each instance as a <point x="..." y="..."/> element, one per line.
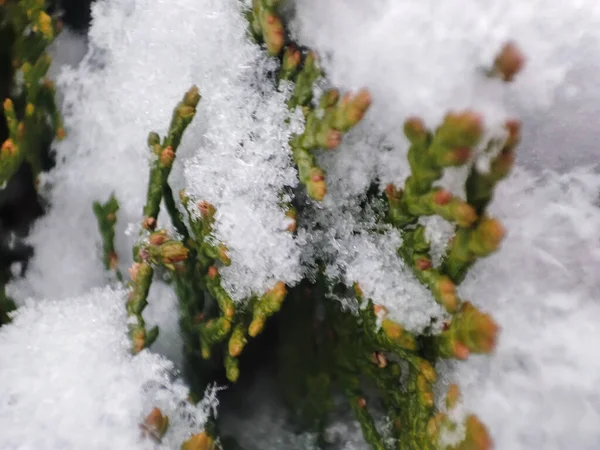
<point x="243" y="169"/>
<point x="342" y="236"/>
<point x="421" y="58"/>
<point x="70" y="382"/>
<point x="163" y="311"/>
<point x="540" y="388"/>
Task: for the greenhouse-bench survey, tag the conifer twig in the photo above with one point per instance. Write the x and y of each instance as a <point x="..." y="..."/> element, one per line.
<point x="325" y="122"/>
<point x="27" y="115"/>
<point x="6" y="303"/>
<point x="106" y="215"/>
<point x="161" y="249"/>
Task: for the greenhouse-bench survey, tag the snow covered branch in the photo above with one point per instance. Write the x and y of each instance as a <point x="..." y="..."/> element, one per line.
<point x="378" y="258"/>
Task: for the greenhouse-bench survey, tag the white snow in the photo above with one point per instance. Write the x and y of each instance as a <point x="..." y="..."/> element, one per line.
<point x="69" y="380"/>
<point x="540" y="389"/>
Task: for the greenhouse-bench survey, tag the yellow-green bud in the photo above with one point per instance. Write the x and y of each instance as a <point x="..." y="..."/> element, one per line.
<point x="192" y="97"/>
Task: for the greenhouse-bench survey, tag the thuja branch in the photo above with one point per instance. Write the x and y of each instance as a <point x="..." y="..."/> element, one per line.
<point x="32" y="116"/>
<point x="326" y="121"/>
<point x="163" y="154"/>
<point x="477" y="235"/>
<point x="6" y="303"/>
<point x="28" y="101"/>
<point x="208" y="255"/>
<point x="234" y="325"/>
<point x="106" y="215"/>
<point x="368" y="347"/>
<point x="430" y="154"/>
<point x="483" y="238"/>
<point x="411" y="406"/>
<point x="358" y="352"/>
<point x="160" y="248"/>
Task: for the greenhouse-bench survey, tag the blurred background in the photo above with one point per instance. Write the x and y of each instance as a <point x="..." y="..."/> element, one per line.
<point x="20" y="203"/>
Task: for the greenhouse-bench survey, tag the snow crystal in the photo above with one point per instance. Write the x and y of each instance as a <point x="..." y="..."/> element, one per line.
<point x="70" y="382"/>
<point x="355" y="255"/>
<point x="244" y="162"/>
<point x="343" y="232"/>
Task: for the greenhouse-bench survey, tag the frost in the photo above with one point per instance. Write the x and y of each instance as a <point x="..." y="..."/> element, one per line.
<point x="244" y="186"/>
<point x="243" y="164"/>
<point x="343" y="233"/>
<point x="354" y="255"/>
<point x="70" y="382"/>
<point x="438" y="232"/>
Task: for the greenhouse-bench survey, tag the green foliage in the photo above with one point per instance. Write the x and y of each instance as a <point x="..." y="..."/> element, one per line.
<point x="29" y="119"/>
<point x="6" y="303"/>
<point x="106" y="215"/>
<point x="31" y="114"/>
<point x="385" y="372"/>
